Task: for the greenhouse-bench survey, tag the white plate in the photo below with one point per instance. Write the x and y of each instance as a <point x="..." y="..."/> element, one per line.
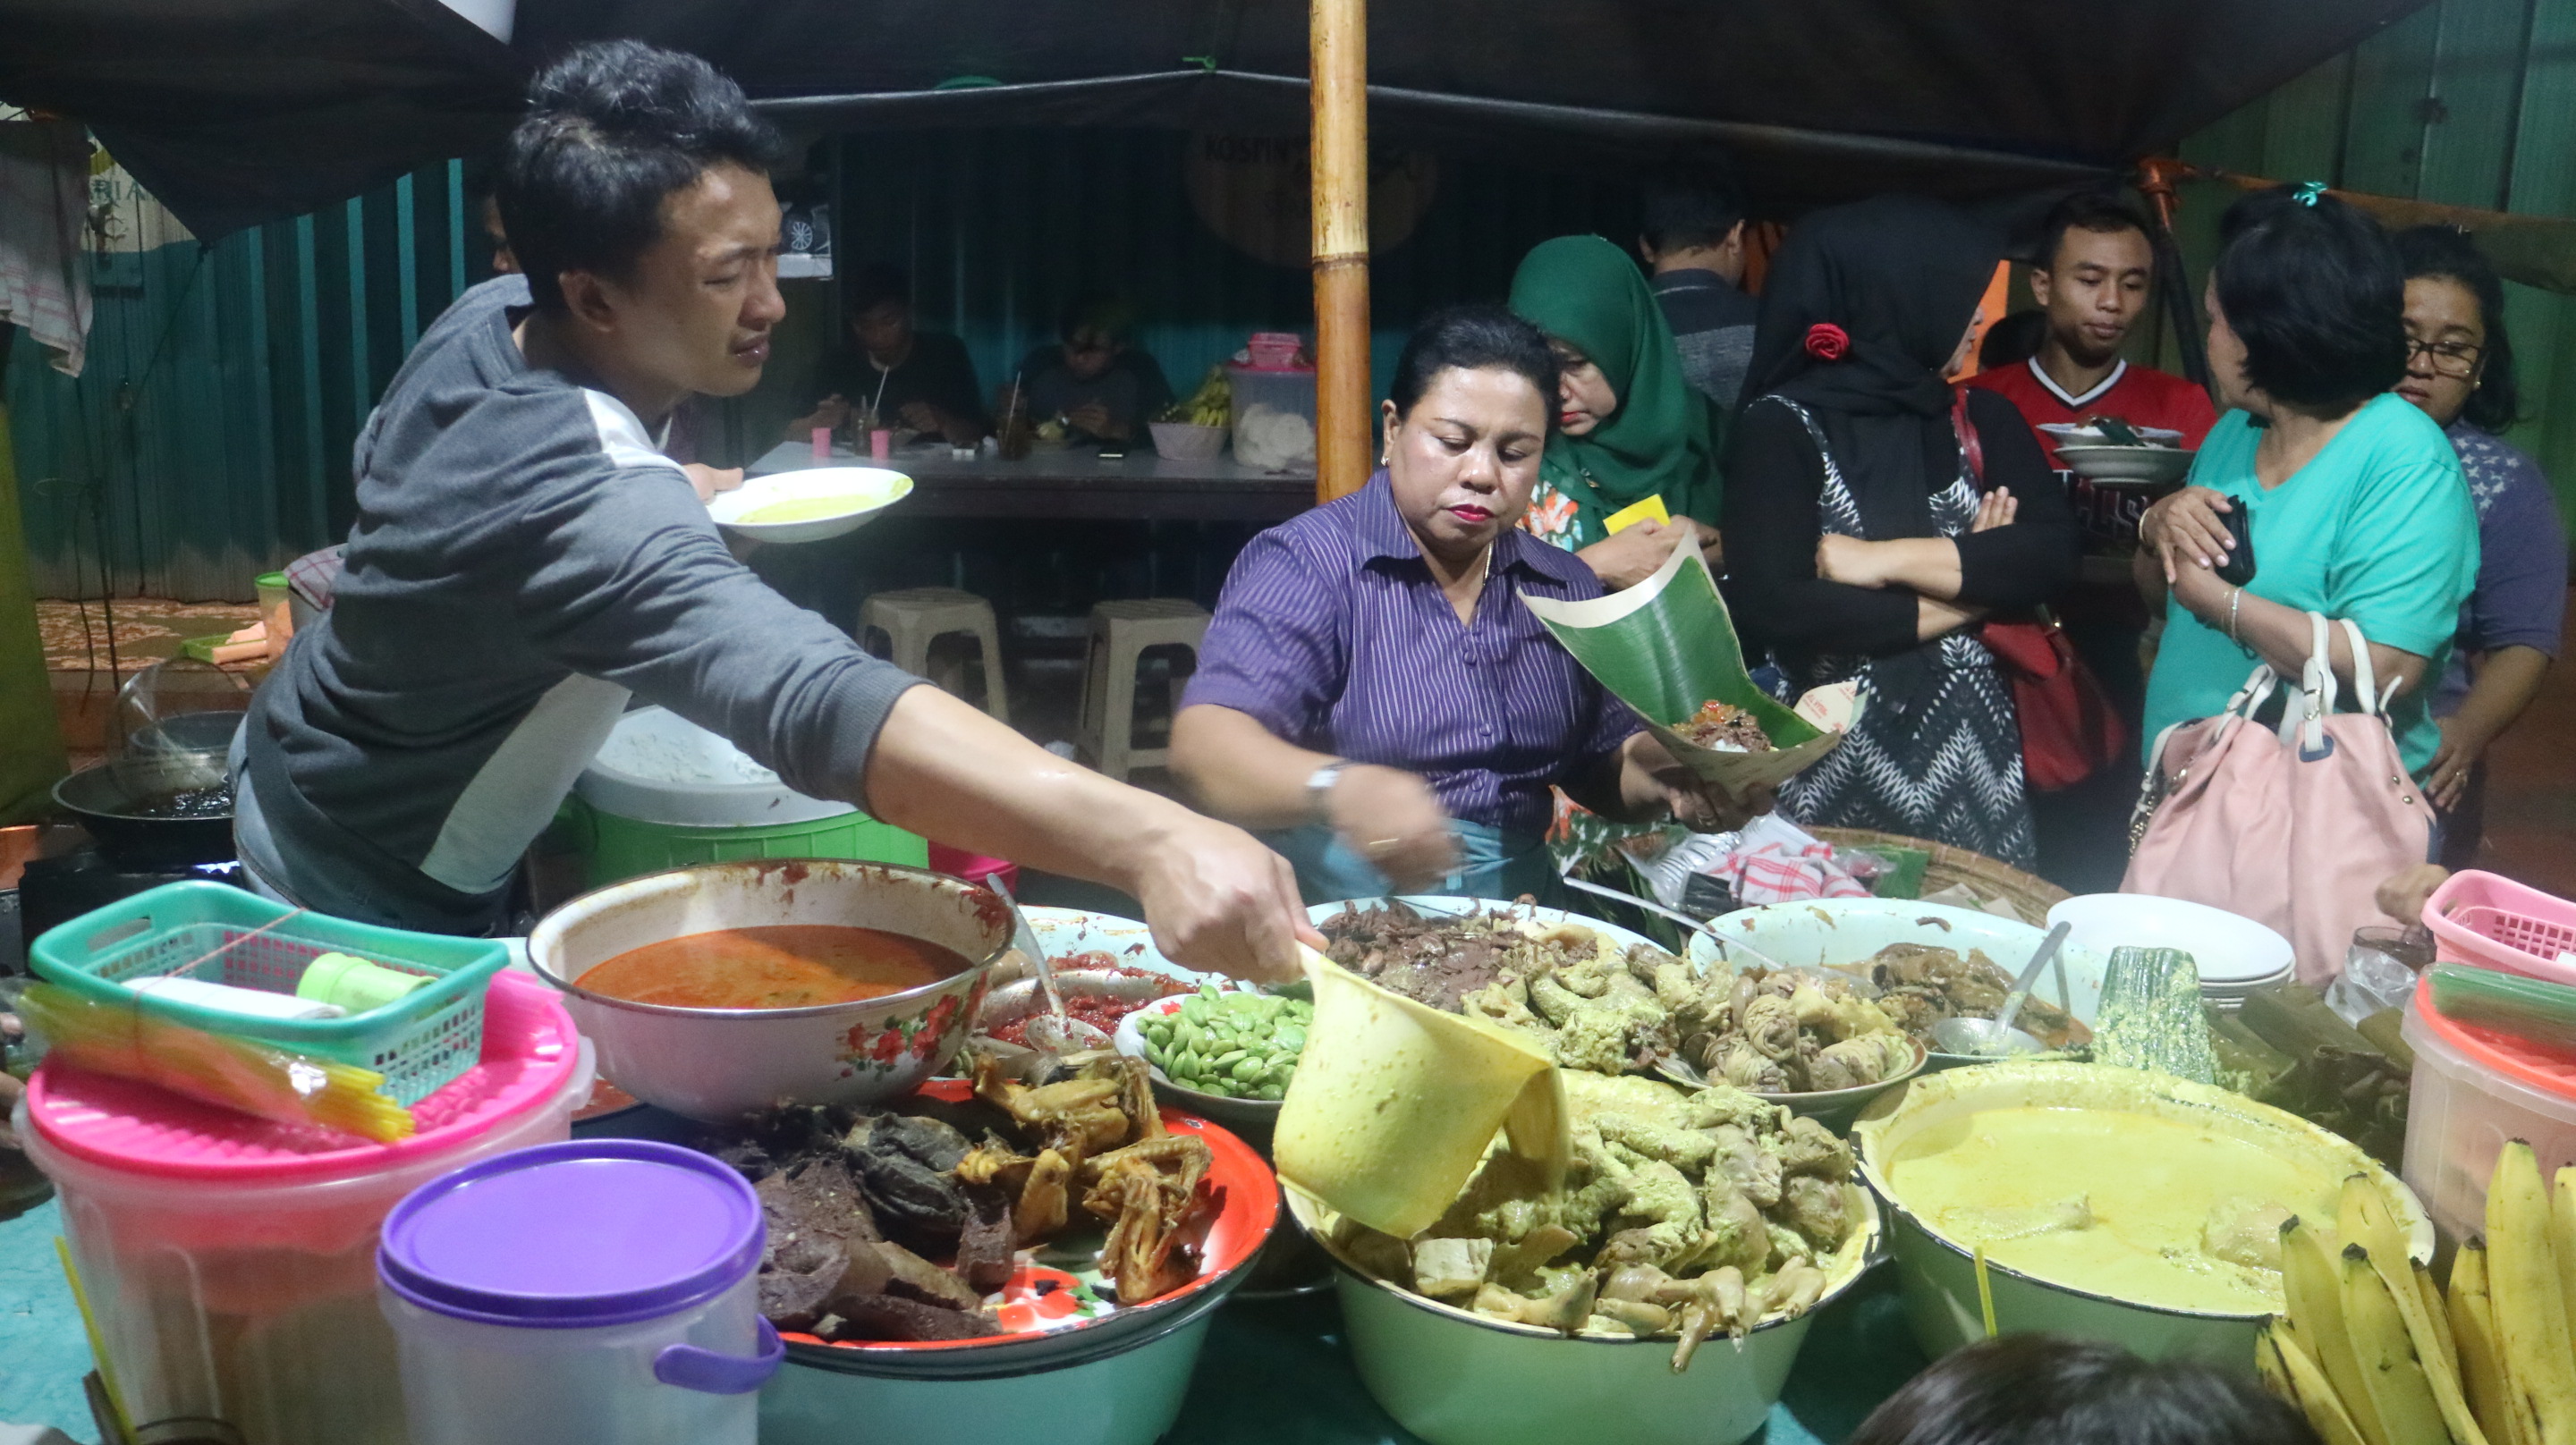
<point x="1063" y="931"/>
<point x="2227" y="949"/>
<point x="869" y="490"/>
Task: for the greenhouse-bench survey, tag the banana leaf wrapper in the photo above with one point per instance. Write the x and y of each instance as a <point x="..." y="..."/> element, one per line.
<point x="1668" y="645"/>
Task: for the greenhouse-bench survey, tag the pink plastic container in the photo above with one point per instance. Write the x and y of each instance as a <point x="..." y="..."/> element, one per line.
<point x="2473" y="1089"/>
<point x="2491" y="922"/>
<point x="974" y="867"/>
<point x="231" y="1262"/>
<point x="1275" y="350"/>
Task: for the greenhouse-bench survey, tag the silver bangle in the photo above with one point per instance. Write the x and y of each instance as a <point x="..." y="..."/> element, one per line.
<point x="2235" y="600"/>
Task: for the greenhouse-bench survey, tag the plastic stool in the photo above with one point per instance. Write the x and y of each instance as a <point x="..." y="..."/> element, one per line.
<point x="912" y="618"/>
<point x="1120" y="633"/>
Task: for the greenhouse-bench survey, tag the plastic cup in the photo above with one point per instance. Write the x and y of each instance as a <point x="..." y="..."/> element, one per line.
<point x="276" y="610"/>
<point x="1395" y="1102"/>
<point x="822" y="444"/>
<point x="880" y="444"/>
<point x="355" y="984"/>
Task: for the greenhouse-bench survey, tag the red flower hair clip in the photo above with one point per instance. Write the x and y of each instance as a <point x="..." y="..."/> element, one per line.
<point x="1828" y="342"/>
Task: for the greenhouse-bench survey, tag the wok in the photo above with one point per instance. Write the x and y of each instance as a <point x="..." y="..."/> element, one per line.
<point x="133" y="807"/>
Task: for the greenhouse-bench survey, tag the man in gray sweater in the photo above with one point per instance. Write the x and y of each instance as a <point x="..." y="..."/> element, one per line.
<point x="525" y="559"/>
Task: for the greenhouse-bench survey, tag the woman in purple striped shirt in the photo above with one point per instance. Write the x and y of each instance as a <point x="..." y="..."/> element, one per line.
<point x="1371" y="688"/>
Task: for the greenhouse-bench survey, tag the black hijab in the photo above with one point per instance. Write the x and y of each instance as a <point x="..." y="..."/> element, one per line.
<point x="1900" y="277"/>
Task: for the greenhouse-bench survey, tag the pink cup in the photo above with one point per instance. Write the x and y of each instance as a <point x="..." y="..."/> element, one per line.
<point x="880" y="444"/>
<point x="822" y="444"/>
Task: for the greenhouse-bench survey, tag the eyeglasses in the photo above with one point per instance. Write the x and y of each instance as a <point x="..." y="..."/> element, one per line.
<point x="2447" y="358"/>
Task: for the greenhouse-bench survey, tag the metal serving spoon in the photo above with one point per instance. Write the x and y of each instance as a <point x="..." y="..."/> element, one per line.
<point x="1996" y="1037"/>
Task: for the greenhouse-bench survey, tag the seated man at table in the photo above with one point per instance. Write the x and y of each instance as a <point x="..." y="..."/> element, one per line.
<point x="1103" y="386"/>
<point x="899" y="376"/>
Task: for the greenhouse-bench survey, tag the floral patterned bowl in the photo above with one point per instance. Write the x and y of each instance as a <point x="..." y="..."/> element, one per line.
<point x="717" y="1064"/>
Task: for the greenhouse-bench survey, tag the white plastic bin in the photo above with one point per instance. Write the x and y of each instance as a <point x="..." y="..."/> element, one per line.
<point x="2473" y="1089"/>
<point x="601" y="1292"/>
<point x="1273" y="417"/>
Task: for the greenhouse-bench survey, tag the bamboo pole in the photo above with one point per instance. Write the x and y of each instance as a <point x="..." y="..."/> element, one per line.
<point x="1338" y="156"/>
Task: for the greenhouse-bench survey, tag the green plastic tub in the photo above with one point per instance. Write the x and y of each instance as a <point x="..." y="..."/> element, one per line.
<point x="616" y="848"/>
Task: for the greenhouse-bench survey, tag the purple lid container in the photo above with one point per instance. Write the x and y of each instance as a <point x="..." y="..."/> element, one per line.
<point x="569" y="1236"/>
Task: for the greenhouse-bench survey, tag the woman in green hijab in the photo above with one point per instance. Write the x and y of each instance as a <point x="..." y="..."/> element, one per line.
<point x="1630" y="430"/>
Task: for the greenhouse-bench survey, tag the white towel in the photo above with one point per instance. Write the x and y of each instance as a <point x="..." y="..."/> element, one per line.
<point x="44" y="209"/>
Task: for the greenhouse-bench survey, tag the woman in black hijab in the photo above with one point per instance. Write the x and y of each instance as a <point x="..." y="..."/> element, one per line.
<point x="1863" y="541"/>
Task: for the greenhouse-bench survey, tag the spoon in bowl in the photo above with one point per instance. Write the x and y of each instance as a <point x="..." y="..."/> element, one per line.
<point x="1996" y="1037"/>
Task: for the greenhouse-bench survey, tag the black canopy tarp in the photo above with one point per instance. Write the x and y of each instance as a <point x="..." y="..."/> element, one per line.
<point x="237" y="111"/>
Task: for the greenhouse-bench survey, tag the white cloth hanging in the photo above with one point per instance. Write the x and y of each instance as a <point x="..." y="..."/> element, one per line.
<point x="44" y="209"/>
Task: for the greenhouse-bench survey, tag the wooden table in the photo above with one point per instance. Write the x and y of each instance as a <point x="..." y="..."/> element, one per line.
<point x="1075" y="482"/>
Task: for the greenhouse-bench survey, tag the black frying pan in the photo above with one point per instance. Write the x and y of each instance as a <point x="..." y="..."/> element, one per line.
<point x="155" y="810"/>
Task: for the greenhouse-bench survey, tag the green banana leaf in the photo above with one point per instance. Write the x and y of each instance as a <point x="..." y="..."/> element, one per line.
<point x="1667" y="645"/>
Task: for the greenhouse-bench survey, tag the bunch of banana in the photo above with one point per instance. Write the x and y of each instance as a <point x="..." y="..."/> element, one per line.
<point x="2374" y="1353"/>
<point x="1207" y="406"/>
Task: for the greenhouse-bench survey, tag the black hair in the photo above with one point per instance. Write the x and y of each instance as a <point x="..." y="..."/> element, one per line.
<point x="1472" y="338"/>
<point x="2045" y="1390"/>
<point x="612" y="127"/>
<point x="2097" y="211"/>
<point x="2013" y="340"/>
<point x="1104" y="312"/>
<point x="2449" y="253"/>
<point x="2315" y="291"/>
<point x="1697" y="208"/>
<point x="873" y="285"/>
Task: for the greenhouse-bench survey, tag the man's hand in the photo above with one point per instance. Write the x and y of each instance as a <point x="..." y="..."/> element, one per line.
<point x="919" y="416"/>
<point x="1712" y="543"/>
<point x="2186" y="527"/>
<point x="2403" y="896"/>
<point x="710" y="480"/>
<point x="1392" y="818"/>
<point x="1092" y="420"/>
<point x="832" y="411"/>
<point x="1219" y="900"/>
<point x="1630" y="555"/>
<point x="1995" y="509"/>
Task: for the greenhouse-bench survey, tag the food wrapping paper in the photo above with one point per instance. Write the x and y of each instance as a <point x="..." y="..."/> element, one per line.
<point x="1667" y="645"/>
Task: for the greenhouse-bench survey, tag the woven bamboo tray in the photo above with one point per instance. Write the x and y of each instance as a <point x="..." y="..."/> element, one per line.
<point x="2030" y="897"/>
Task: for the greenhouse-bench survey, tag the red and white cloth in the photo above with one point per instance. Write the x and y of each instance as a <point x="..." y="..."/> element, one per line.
<point x="1774" y="861"/>
<point x="44" y="211"/>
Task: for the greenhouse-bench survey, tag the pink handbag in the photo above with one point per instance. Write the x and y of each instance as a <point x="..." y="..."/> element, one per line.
<point x="2295" y="829"/>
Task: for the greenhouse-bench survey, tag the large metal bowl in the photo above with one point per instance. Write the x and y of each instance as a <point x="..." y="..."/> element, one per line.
<point x="719" y="1064"/>
<point x="1454" y="1377"/>
<point x="125" y="806"/>
<point x="1938" y="1274"/>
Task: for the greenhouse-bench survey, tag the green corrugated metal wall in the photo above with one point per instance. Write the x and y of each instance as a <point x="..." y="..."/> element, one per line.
<point x="2466" y="102"/>
<point x="207" y="439"/>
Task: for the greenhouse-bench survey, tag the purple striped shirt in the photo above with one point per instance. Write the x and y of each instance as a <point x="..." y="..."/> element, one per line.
<point x="1333" y="633"/>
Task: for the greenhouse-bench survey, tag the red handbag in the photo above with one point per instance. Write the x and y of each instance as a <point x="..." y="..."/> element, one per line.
<point x="2069" y="731"/>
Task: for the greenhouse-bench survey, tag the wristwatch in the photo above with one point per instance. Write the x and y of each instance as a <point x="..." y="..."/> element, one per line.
<point x="1319" y="790"/>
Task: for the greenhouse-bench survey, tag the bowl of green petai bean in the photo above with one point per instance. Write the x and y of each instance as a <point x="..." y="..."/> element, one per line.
<point x="1225" y="1054"/>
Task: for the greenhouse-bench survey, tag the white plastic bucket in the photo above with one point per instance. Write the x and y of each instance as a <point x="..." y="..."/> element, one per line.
<point x="601" y="1292"/>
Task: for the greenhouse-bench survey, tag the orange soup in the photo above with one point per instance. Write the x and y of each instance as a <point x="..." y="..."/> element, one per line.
<point x="780" y="966"/>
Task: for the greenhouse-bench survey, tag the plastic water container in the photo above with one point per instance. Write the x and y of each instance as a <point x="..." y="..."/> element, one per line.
<point x="1273" y="417"/>
<point x="230" y="1261"/>
<point x="2473" y="1089"/>
<point x="593" y="1293"/>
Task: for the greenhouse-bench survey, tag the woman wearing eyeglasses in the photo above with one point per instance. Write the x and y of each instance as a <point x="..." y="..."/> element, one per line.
<point x="2460" y="371"/>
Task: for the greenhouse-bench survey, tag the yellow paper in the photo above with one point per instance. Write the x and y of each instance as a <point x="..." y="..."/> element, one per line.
<point x="1395" y="1102"/>
<point x="1649" y="510"/>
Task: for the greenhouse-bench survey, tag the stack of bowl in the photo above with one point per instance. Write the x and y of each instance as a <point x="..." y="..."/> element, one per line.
<point x="2235" y="956"/>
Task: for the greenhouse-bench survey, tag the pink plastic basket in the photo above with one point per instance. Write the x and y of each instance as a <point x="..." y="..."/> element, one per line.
<point x="2490" y="922"/>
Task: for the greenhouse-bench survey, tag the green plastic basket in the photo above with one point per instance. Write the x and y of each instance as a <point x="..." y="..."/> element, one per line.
<point x="420" y="1043"/>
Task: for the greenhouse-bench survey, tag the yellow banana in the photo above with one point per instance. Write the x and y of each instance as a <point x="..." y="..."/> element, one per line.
<point x="2435" y="1314"/>
<point x="2392" y="1369"/>
<point x="2431" y="1337"/>
<point x="2362" y="1217"/>
<point x="2526" y="1293"/>
<point x="2562" y="1233"/>
<point x="2312" y="1281"/>
<point x="2481" y="1356"/>
<point x="2298" y="1380"/>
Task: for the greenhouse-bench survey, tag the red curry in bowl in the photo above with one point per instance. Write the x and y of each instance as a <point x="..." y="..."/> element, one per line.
<point x="775" y="966"/>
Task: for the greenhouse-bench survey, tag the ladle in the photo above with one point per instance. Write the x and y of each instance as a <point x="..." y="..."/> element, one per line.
<point x="1996" y="1037"/>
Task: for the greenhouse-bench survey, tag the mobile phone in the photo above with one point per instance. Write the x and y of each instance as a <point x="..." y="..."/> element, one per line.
<point x="2238" y="568"/>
